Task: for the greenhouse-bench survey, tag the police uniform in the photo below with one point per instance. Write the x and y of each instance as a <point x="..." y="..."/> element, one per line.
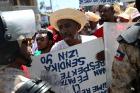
<point x="126" y="72"/>
<point x="11" y="79"/>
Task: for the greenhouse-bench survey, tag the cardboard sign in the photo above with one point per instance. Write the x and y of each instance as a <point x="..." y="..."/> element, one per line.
<point x="111" y="32"/>
<point x="73" y="70"/>
<point x="95" y="2"/>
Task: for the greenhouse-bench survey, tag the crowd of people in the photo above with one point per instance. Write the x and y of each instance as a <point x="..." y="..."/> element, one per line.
<point x="69" y="27"/>
<point x="93" y="25"/>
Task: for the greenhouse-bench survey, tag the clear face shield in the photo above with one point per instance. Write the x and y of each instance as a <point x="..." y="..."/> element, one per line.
<point x="19" y="23"/>
<point x="14" y="25"/>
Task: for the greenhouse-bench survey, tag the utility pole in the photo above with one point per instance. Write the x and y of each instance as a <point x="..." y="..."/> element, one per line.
<point x="51" y="5"/>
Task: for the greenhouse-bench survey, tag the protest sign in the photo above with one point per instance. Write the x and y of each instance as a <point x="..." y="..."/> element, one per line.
<point x="127" y="0"/>
<point x="96" y="2"/>
<point x="111" y="32"/>
<point x="73" y="70"/>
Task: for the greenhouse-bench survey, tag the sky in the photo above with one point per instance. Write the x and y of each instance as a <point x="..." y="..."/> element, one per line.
<point x="59" y="4"/>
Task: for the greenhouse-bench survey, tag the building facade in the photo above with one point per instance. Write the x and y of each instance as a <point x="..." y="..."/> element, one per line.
<point x="8" y="5"/>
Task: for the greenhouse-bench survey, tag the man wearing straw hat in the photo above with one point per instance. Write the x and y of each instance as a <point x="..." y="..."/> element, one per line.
<point x="69" y="22"/>
<point x="93" y="20"/>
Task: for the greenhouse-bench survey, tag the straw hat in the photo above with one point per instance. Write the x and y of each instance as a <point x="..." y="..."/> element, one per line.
<point x="92" y="16"/>
<point x="68" y="13"/>
<point x="127" y="13"/>
<point x="117" y="9"/>
<point x="135" y="14"/>
<point x="131" y="5"/>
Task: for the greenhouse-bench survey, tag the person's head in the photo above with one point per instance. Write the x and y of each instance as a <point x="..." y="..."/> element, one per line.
<point x="14" y="50"/>
<point x="44" y="39"/>
<point x="130" y="14"/>
<point x="68" y="28"/>
<point x="93" y="19"/>
<point x="68" y="21"/>
<point x="107" y="13"/>
<point x="137" y="3"/>
<point x="124" y="16"/>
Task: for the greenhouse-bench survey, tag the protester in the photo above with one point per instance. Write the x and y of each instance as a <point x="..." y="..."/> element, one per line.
<point x="93" y="20"/>
<point x="69" y="22"/>
<point x="107" y="14"/>
<point x="56" y="35"/>
<point x="44" y="40"/>
<point x="126" y="65"/>
<point x="131" y="14"/>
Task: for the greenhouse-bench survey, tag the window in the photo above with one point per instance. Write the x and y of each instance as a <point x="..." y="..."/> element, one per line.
<point x="25" y="2"/>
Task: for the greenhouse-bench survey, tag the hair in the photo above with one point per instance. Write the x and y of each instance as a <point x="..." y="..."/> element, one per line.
<point x="49" y="34"/>
<point x="137" y="2"/>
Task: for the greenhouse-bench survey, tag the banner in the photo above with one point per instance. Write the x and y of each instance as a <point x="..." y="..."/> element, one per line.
<point x="44" y="6"/>
<point x="96" y="2"/>
<point x="111" y="32"/>
<point x="73" y="70"/>
<point x="127" y="0"/>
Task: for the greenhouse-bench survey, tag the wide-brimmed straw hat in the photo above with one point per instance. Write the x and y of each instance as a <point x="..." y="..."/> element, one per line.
<point x="127" y="14"/>
<point x="68" y="13"/>
<point x="135" y="14"/>
<point x="92" y="16"/>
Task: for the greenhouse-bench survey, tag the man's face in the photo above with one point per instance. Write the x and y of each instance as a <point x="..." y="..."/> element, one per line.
<point x="68" y="28"/>
<point x="24" y="57"/>
<point x="106" y="13"/>
<point x="42" y="41"/>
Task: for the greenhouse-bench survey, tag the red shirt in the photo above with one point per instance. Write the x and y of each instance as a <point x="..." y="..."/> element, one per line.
<point x="25" y="70"/>
<point x="99" y="32"/>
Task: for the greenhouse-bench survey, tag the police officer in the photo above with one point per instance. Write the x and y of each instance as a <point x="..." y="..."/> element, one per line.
<point x="126" y="71"/>
<point x="13" y="53"/>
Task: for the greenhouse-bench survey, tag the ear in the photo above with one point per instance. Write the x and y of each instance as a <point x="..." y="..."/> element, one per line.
<point x="50" y="42"/>
<point x="78" y="26"/>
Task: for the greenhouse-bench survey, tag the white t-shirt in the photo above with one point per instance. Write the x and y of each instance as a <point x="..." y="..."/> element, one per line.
<point x="63" y="45"/>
